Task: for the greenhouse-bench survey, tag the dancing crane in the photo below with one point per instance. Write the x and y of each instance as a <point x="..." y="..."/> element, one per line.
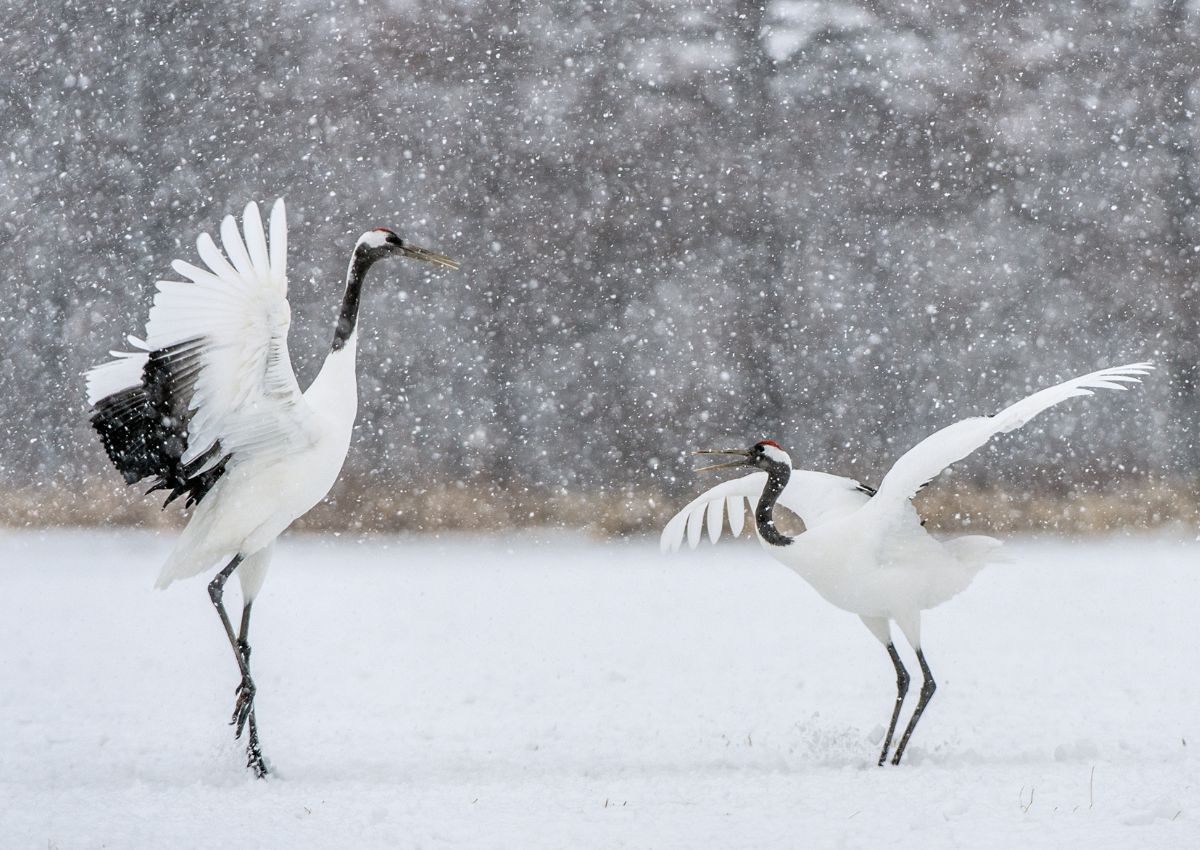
<point x="207" y="406"/>
<point x="866" y="551"/>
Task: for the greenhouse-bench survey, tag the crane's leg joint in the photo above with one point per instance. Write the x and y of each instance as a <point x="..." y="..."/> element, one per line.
<point x="216" y="590"/>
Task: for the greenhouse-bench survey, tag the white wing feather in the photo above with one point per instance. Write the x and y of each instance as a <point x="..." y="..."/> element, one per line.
<point x="814" y="496"/>
<point x="120" y="373"/>
<point x="736" y="508"/>
<point x="235" y="315"/>
<point x="926" y="460"/>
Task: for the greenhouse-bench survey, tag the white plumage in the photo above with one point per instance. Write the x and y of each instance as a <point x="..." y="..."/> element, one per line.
<point x="286" y="447"/>
<point x="869" y="554"/>
<point x="208" y="403"/>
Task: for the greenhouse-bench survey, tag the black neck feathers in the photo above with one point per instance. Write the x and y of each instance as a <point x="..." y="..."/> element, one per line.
<point x="348" y="318"/>
<point x="777" y="478"/>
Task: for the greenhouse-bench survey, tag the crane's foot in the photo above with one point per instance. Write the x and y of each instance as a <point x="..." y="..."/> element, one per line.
<point x="243" y="709"/>
<point x="243" y="718"/>
<point x="254" y="757"/>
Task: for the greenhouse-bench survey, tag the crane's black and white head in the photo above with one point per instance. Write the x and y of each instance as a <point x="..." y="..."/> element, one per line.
<point x="381" y="242"/>
<point x="765" y="454"/>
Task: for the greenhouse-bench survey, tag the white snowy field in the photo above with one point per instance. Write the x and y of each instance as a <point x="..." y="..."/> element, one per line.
<point x="556" y="691"/>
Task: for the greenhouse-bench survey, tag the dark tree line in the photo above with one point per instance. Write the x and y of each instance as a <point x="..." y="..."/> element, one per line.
<point x="841" y="224"/>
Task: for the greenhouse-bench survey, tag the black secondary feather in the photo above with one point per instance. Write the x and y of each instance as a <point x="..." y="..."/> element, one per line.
<point x="145" y="428"/>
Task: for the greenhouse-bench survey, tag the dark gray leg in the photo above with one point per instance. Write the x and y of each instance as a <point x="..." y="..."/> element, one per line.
<point x="927" y="689"/>
<point x="243" y="711"/>
<point x="240" y="715"/>
<point x="244" y="708"/>
<point x="901" y="689"/>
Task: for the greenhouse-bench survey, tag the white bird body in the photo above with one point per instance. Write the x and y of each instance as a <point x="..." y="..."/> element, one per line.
<point x="866" y="551"/>
<point x="208" y="405"/>
<point x="257" y="499"/>
<point x="882" y="570"/>
<point x="870" y="566"/>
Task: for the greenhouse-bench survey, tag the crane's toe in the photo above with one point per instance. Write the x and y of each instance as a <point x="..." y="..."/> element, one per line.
<point x="243" y="718"/>
<point x="244" y="705"/>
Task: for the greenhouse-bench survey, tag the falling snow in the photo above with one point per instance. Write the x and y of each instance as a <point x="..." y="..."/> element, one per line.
<point x="821" y="222"/>
<point x="839" y="224"/>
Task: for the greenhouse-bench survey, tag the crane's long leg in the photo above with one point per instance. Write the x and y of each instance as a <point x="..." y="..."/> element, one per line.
<point x="245" y="702"/>
<point x="243" y="710"/>
<point x="902" y="680"/>
<point x="927" y="689"/>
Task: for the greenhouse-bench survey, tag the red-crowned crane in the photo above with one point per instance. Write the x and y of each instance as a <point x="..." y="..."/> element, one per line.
<point x="866" y="551"/>
<point x="208" y="408"/>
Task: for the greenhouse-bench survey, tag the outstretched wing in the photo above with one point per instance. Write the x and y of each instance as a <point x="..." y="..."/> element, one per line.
<point x="212" y="384"/>
<point x="926" y="460"/>
<point x="813" y="496"/>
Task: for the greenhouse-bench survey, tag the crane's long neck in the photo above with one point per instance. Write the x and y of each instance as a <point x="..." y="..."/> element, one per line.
<point x="777" y="478"/>
<point x="347" y="322"/>
<point x="335" y="389"/>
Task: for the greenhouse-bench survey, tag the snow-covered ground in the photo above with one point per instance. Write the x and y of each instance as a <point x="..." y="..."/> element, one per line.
<point x="555" y="691"/>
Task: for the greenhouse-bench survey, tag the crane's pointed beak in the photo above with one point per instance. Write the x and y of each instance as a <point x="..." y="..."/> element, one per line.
<point x="743" y="454"/>
<point x="416" y="252"/>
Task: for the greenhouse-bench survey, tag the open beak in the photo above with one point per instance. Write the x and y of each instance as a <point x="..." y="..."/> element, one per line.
<point x="743" y="454"/>
<point x="416" y="252"/>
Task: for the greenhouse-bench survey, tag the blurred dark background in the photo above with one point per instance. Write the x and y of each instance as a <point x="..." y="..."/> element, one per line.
<point x="839" y="224"/>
